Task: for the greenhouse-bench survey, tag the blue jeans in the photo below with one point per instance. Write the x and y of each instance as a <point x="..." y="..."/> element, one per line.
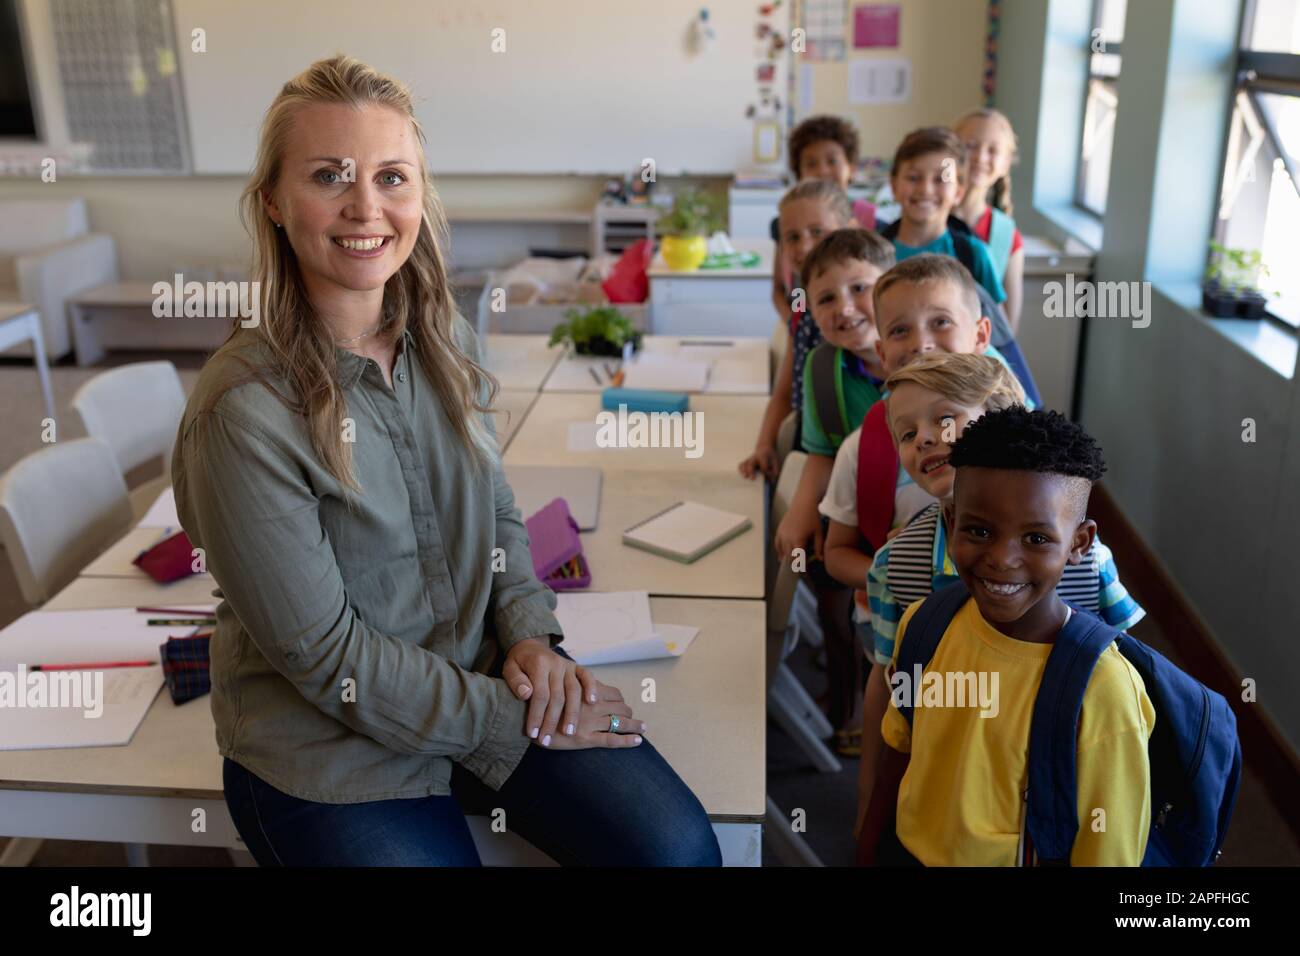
<point x="594" y="807"/>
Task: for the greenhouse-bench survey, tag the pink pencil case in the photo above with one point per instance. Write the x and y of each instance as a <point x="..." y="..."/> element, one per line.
<point x="557" y="549"/>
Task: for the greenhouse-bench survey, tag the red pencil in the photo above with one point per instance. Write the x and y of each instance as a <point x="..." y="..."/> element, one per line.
<point x="105" y="665"/>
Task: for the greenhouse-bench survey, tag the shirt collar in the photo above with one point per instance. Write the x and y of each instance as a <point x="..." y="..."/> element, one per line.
<point x="352" y="366"/>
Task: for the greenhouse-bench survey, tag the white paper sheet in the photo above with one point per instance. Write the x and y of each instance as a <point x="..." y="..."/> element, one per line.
<point x="162" y="513"/>
<point x="667" y="373"/>
<point x="615" y="627"/>
<point x="582" y="436"/>
<point x="80" y="637"/>
<point x="121" y="696"/>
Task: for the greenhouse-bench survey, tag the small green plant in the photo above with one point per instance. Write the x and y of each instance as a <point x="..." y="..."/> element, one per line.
<point x="601" y="330"/>
<point x="1235" y="271"/>
<point x="694" y="213"/>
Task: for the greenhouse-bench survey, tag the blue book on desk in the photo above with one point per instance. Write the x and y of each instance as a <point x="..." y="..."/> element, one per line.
<point x="640" y="400"/>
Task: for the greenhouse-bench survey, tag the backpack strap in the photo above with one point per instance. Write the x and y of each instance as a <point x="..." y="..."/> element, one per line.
<point x="826" y="366"/>
<point x="1002" y="233"/>
<point x="1052" y="815"/>
<point x="877" y="477"/>
<point x="961" y="243"/>
<point x="924" y="632"/>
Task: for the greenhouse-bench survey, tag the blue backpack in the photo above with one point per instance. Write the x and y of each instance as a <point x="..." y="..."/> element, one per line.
<point x="1194" y="753"/>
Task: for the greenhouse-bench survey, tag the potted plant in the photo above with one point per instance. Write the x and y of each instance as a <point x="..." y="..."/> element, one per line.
<point x="602" y="330"/>
<point x="1231" y="288"/>
<point x="693" y="217"/>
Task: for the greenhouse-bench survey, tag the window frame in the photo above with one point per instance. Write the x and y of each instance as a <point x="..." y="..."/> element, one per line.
<point x="1259" y="71"/>
<point x="1080" y="176"/>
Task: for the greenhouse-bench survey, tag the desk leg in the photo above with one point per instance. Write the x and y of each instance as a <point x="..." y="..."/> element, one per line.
<point x="84" y="340"/>
<point x="42" y="365"/>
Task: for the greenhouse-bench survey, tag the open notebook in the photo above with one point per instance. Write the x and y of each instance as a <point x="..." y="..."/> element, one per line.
<point x="686" y="532"/>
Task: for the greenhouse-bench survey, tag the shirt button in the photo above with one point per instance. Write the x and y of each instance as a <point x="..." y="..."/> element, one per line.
<point x="401" y="376"/>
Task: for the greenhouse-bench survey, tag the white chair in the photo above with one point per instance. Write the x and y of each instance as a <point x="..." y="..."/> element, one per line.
<point x="790" y="704"/>
<point x="135" y="410"/>
<point x="60" y="508"/>
<point x="805" y="603"/>
<point x="780" y="342"/>
<point x="47" y="256"/>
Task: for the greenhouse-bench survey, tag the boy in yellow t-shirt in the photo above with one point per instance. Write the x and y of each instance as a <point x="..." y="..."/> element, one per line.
<point x="956" y="776"/>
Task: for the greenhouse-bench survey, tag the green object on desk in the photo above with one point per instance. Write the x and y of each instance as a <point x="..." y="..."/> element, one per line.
<point x="732" y="260"/>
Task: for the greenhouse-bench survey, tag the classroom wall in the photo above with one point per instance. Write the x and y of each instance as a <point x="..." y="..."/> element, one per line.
<point x="944" y="39"/>
<point x="1167" y="402"/>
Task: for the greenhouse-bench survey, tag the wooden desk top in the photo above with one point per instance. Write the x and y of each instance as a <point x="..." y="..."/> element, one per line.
<point x="739" y="368"/>
<point x="730" y="428"/>
<point x="734" y="570"/>
<point x="709" y="719"/>
<point x="520" y="361"/>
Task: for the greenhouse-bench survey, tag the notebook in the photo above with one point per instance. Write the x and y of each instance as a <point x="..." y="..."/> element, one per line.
<point x="686" y="532"/>
<point x="536" y="486"/>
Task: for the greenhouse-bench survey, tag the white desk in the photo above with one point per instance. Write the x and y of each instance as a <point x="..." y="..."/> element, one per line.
<point x="520" y="361"/>
<point x="739" y="368"/>
<point x="22" y="323"/>
<point x="730" y="426"/>
<point x="734" y="570"/>
<point x="708" y="721"/>
<point x="714" y="301"/>
<point x="511" y="409"/>
<point x="119" y="315"/>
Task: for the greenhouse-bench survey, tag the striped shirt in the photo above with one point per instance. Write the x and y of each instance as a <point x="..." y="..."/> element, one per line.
<point x="916" y="562"/>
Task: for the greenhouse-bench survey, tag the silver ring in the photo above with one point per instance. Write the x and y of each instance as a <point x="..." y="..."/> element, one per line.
<point x="614" y="723"/>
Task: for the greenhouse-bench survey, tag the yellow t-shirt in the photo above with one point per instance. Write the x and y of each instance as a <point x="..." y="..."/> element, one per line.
<point x="960" y="802"/>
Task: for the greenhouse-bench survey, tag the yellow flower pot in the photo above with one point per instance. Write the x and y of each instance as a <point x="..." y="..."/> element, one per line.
<point x="684" y="253"/>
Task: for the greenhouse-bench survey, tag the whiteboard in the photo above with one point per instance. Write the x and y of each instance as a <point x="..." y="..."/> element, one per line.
<point x="581" y="87"/>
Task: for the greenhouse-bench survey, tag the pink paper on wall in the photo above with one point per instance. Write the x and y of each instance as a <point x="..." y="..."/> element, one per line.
<point x="876" y="25"/>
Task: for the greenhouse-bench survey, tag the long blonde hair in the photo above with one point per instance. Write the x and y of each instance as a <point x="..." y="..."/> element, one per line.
<point x="417" y="297"/>
<point x="999" y="195"/>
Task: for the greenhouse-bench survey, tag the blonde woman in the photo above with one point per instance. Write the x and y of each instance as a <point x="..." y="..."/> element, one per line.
<point x="384" y="655"/>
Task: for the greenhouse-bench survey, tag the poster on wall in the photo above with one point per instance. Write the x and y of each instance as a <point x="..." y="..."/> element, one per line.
<point x="825" y="23"/>
<point x="876" y="25"/>
<point x="880" y="81"/>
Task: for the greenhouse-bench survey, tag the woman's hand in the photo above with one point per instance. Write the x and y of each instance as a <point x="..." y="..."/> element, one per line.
<point x="594" y="723"/>
<point x="554" y="686"/>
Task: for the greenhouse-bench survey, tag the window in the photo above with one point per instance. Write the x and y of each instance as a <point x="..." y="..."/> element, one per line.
<point x="1259" y="205"/>
<point x="1099" y="110"/>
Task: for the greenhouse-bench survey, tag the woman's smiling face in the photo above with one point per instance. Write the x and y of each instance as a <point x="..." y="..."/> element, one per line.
<point x="350" y="195"/>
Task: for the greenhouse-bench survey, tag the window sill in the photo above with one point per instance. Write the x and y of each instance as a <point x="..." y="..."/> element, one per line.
<point x="1075" y="223"/>
<point x="1268" y="342"/>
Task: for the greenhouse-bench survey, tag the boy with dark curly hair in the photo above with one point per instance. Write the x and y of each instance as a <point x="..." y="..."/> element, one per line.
<point x="957" y="773"/>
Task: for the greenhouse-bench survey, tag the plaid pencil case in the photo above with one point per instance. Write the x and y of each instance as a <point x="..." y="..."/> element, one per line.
<point x="556" y="548"/>
<point x="186" y="666"/>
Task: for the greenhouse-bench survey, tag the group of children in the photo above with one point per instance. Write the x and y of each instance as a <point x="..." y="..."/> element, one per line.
<point x="901" y="339"/>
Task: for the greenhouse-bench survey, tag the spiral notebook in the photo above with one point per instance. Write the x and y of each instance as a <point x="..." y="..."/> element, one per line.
<point x="686" y="532"/>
